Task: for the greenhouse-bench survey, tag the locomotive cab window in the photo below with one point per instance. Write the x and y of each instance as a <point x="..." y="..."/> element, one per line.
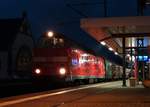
<point x="54" y="42"/>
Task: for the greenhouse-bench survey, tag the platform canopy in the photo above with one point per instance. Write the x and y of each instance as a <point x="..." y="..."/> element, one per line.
<point x="116" y="28"/>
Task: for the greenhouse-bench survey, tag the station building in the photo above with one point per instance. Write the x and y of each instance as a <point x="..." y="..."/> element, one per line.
<point x="16" y="45"/>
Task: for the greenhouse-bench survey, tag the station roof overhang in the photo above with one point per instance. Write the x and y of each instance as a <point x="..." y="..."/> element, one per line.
<point x="115" y="28"/>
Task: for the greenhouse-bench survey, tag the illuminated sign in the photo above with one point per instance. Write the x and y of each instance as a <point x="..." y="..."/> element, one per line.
<point x="142" y="58"/>
<point x="74" y="62"/>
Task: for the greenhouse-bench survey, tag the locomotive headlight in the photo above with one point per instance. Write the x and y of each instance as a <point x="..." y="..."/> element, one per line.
<point x="37" y="71"/>
<point x="62" y="71"/>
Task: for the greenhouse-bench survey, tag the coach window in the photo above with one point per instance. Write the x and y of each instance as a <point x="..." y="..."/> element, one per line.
<point x="87" y="57"/>
<point x="97" y="60"/>
<point x="83" y="58"/>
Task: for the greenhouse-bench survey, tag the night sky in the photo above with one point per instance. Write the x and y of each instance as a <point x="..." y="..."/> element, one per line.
<point x="56" y="15"/>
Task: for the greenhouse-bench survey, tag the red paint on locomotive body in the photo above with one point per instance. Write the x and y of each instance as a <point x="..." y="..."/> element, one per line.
<point x="86" y="66"/>
<point x="50" y="60"/>
<point x="77" y="63"/>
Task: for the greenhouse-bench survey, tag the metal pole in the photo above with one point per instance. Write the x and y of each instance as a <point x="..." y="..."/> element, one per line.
<point x="143" y="71"/>
<point x="124" y="64"/>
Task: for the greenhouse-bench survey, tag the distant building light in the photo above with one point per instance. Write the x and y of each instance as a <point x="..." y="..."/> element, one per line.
<point x="111" y="49"/>
<point x="103" y="43"/>
<point x="147" y="2"/>
<point x="128" y="55"/>
<point x="75" y="50"/>
<point x="133" y="58"/>
<point x="84" y="54"/>
<point x="116" y="53"/>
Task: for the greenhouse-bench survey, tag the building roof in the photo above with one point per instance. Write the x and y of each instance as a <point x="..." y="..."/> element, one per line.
<point x="8" y="30"/>
<point x="102" y="28"/>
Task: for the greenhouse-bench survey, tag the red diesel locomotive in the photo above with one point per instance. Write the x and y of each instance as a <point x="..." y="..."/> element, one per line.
<point x="57" y="58"/>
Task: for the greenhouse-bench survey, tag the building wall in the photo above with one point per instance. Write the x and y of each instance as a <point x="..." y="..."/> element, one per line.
<point x="20" y="41"/>
<point x="3" y="65"/>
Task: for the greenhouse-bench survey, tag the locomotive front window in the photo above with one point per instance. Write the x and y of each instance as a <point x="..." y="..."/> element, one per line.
<point x="61" y="40"/>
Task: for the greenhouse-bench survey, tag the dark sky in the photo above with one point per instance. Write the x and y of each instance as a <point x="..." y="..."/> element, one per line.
<point x="56" y="15"/>
<point x="47" y="14"/>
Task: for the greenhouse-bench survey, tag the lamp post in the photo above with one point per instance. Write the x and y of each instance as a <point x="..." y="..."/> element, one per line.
<point x="124" y="63"/>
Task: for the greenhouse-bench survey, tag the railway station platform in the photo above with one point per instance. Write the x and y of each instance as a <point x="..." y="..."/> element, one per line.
<point x="122" y="97"/>
<point x="110" y="94"/>
<point x="129" y="96"/>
